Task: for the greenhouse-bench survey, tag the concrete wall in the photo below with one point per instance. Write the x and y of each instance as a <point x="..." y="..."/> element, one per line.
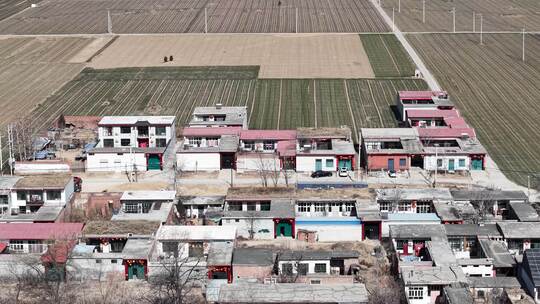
<point x="425" y="300"/>
<point x="380" y="162"/>
<point x="430" y="162"/>
<point x="253" y="162"/>
<point x="386" y="225"/>
<point x="65" y="196"/>
<point x="252" y="272"/>
<point x="326" y="279"/>
<point x="243" y="225"/>
<point x="311" y="265"/>
<point x="117" y="136"/>
<point x="91" y="269"/>
<point x="479" y="270"/>
<point x="198" y="161"/>
<point x="334" y="233"/>
<point x="113" y="162"/>
<point x="307" y="163"/>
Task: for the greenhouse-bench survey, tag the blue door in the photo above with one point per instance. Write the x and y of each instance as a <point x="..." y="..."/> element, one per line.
<point x="391" y="164"/>
<point x="451" y="165"/>
<point x="318" y="164"/>
<point x="477" y="164"/>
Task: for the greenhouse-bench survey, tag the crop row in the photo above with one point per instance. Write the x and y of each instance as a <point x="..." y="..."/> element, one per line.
<point x="188" y="16"/>
<point x="387" y="56"/>
<point x="495" y="91"/>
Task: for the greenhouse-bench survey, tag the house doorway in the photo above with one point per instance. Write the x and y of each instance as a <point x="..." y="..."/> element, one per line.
<point x="283" y="228"/>
<point x="372" y="230"/>
<point x="154" y="162"/>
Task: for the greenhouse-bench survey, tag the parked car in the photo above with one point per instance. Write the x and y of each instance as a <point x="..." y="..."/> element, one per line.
<point x="343" y="172"/>
<point x="392" y="174"/>
<point x="321" y="173"/>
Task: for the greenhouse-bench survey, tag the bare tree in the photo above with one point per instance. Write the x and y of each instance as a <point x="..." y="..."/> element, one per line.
<point x="263" y="169"/>
<point x="293" y="269"/>
<point x="23" y="136"/>
<point x="387" y="292"/>
<point x="286" y="170"/>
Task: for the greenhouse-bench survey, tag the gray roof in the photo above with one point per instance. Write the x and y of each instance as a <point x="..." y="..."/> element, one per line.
<point x="367" y="210"/>
<point x="458" y="295"/>
<point x="293" y="293"/>
<point x="427" y="232"/>
<point x="489" y="230"/>
<point x="475" y="261"/>
<point x="316" y="255"/>
<point x="8" y="182"/>
<point x="432" y="276"/>
<point x="524" y="212"/>
<point x="45" y="213"/>
<point x="338" y="147"/>
<point x="137" y="249"/>
<point x="220" y="254"/>
<point x="253" y="256"/>
<point x="202" y="200"/>
<point x="452" y="211"/>
<point x="426" y="194"/>
<point x="408" y="137"/>
<point x="227" y="143"/>
<point x="278" y="209"/>
<point x="486" y="194"/>
<point x="235" y="115"/>
<point x="464" y="146"/>
<point x="493" y="282"/>
<point x="519" y="230"/>
<point x="441" y="254"/>
<point x="497" y="251"/>
<point x="159" y="215"/>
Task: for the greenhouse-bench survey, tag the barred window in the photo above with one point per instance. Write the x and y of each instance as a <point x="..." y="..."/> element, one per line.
<point x="304" y="207"/>
<point x="416" y="293"/>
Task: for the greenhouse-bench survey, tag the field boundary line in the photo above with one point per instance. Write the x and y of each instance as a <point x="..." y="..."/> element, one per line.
<point x="279" y="104"/>
<point x="315" y="100"/>
<point x="350" y="108"/>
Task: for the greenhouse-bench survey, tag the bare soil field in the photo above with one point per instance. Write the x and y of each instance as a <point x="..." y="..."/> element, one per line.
<point x="12" y="7"/>
<point x="495" y="91"/>
<point x="497" y="15"/>
<point x="188" y="16"/>
<point x="279" y="56"/>
<point x="31" y="69"/>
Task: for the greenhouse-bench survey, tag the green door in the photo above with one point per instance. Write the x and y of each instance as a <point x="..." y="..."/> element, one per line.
<point x="345" y="163"/>
<point x="283" y="229"/>
<point x="136" y="271"/>
<point x="154" y="162"/>
<point x="476" y="164"/>
<point x="318" y="164"/>
<point x="451" y="165"/>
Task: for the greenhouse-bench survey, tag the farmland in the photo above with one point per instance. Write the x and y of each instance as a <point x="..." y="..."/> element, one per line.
<point x="496" y="92"/>
<point x="498" y="15"/>
<point x="272" y="103"/>
<point x="187" y="16"/>
<point x="387" y="56"/>
<point x="11" y="7"/>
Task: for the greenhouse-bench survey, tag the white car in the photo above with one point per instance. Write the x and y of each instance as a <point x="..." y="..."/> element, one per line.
<point x="343" y="172"/>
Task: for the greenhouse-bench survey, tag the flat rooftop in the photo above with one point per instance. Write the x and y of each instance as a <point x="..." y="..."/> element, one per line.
<point x="127" y="150"/>
<point x="454" y="211"/>
<point x="46" y="213"/>
<point x="497" y="251"/>
<point x="432" y="276"/>
<point x="158" y="213"/>
<point x="426" y="194"/>
<point x="8" y="182"/>
<point x="524" y="212"/>
<point x="493" y="282"/>
<point x="488" y="230"/>
<point x="304" y="255"/>
<point x="220" y="253"/>
<point x="293" y="293"/>
<point x="198" y="233"/>
<point x="119" y="228"/>
<point x="201" y="200"/>
<point x="411" y="231"/>
<point x="388" y="133"/>
<point x="253" y="256"/>
<point x="324" y="133"/>
<point x="487" y="194"/>
<point x="279" y="208"/>
<point x="441" y="253"/>
<point x="148" y="196"/>
<point x="138" y="248"/>
<point x="43" y="182"/>
<point x="132" y="120"/>
<point x="519" y="230"/>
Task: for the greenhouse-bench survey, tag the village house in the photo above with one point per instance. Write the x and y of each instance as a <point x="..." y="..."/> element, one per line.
<point x="253" y="264"/>
<point x="269" y="150"/>
<point x="410" y="240"/>
<point x="483" y="287"/>
<point x="35" y="237"/>
<point x="131" y="143"/>
<point x="490" y="203"/>
<point x="316" y="266"/>
<point x="247" y="293"/>
<point x="520" y="236"/>
<point x="425" y="285"/>
<point x="464" y="238"/>
<point x="219" y="116"/>
<point x="260" y="213"/>
<point x="324" y="149"/>
<point x="422" y="100"/>
<point x="521" y="212"/>
<point x="504" y="263"/>
<point x="208" y="149"/>
<point x="457" y="295"/>
<point x="35" y="198"/>
<point x="159" y="206"/>
<point x="431" y="118"/>
<point x="390" y="149"/>
<point x="197" y="206"/>
<point x="448" y="153"/>
<point x="219" y="261"/>
<point x="451" y="212"/>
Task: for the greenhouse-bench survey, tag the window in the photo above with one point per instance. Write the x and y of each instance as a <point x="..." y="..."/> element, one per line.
<point x="125" y="142"/>
<point x="54" y="195"/>
<point x="416" y="293"/>
<point x="400" y="244"/>
<point x="161" y="142"/>
<point x="287" y="269"/>
<point x="455" y="244"/>
<point x="384" y="206"/>
<point x="404" y="206"/>
<point x="103" y="161"/>
<point x="462" y="162"/>
<point x="170" y="247"/>
<point x="320" y="268"/>
<point x="349" y="207"/>
<point x="108" y="143"/>
<point x="320" y="207"/>
<point x="251" y="207"/>
<point x="21" y="195"/>
<point x="402" y="162"/>
<point x="137" y="207"/>
<point x="481" y="294"/>
<point x="235" y="206"/>
<point x="161" y="131"/>
<point x="237" y="220"/>
<point x="114" y="261"/>
<point x="107" y="131"/>
<point x="195" y="141"/>
<point x="265" y="206"/>
<point x="125" y="130"/>
<point x="329" y="163"/>
<point x="336" y="207"/>
<point x="423" y="207"/>
<point x="304" y="207"/>
<point x="196" y="249"/>
<point x="98" y="261"/>
<point x="16" y="246"/>
<point x="249" y="145"/>
<point x="3" y="199"/>
<point x="212" y="141"/>
<point x="302" y="268"/>
<point x="268" y="145"/>
<point x="439" y="163"/>
<point x="315" y="282"/>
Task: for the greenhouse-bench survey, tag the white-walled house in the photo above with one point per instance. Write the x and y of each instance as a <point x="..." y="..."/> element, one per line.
<point x="131" y="143"/>
<point x="425" y="285"/>
<point x="219" y="116"/>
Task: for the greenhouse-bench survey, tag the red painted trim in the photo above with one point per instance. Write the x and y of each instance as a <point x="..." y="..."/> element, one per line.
<point x="126" y="271"/>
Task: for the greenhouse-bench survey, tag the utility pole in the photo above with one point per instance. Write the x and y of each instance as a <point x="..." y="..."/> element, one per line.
<point x="473" y="21"/>
<point x="529" y="187"/>
<point x="454" y="19"/>
<point x="1" y="157"/>
<point x="481" y="29"/>
<point x="296" y="20"/>
<point x="436" y="165"/>
<point x="399" y="6"/>
<point x="10" y="148"/>
<point x="109" y="22"/>
<point x="232" y="179"/>
<point x="393" y="22"/>
<point x="523" y="46"/>
<point x="205" y="21"/>
<point x="423" y="11"/>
